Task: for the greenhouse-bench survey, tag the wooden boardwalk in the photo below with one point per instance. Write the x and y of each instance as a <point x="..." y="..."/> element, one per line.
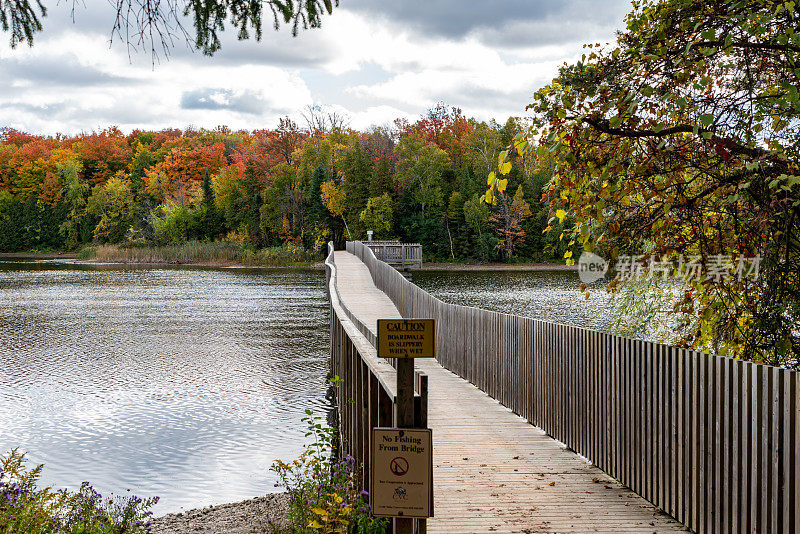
<point x="493" y="471"/>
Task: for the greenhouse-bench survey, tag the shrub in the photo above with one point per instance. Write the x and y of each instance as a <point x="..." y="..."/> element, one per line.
<point x="324" y="496"/>
<point x="25" y="508"/>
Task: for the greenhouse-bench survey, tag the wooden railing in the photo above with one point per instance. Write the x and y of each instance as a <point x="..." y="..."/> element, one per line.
<point x="397" y="254"/>
<point x="367" y="395"/>
<point x="713" y="441"/>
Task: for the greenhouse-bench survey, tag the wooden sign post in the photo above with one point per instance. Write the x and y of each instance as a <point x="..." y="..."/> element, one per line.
<point x="405" y="419"/>
<point x="405" y="339"/>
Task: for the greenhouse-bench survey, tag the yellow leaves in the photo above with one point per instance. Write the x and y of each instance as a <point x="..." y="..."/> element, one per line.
<point x="333" y="198"/>
<point x="561" y="214"/>
<point x="490" y="180"/>
<point x="505" y="167"/>
<point x="320" y="511"/>
<point x="489" y="197"/>
<point x="502" y="184"/>
<point x="568" y="254"/>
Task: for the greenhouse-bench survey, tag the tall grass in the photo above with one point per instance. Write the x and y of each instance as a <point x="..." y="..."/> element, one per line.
<point x="197" y="252"/>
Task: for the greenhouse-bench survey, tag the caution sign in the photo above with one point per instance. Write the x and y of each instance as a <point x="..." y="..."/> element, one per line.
<point x="402" y="472"/>
<point x="406" y="338"/>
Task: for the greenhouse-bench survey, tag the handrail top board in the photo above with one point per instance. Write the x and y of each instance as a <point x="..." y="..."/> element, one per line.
<point x="383" y="371"/>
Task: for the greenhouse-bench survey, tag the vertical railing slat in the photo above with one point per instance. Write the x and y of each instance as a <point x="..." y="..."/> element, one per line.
<point x="711" y="440"/>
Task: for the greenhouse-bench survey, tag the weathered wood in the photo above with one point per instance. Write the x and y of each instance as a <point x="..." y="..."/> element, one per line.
<point x="396" y="254"/>
<point x="713" y="441"/>
<point x="373" y="393"/>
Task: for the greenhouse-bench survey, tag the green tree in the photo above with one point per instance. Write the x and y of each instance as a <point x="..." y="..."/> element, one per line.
<point x="174" y="226"/>
<point x="316" y="209"/>
<point x="141" y="161"/>
<point x="356" y="171"/>
<point x="211" y="222"/>
<point x="419" y="168"/>
<point x="75" y="193"/>
<point x="378" y="215"/>
<point x="113" y="204"/>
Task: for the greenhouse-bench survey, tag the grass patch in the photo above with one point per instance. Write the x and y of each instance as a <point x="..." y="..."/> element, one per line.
<point x="194" y="252"/>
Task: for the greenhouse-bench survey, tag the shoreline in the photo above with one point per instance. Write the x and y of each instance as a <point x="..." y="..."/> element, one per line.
<point x="268" y="514"/>
<point x="316" y="266"/>
<point x="72" y="258"/>
<point x="39" y="255"/>
<point x="497" y="267"/>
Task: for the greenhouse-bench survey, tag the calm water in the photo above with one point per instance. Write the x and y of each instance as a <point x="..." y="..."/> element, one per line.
<point x="181" y="383"/>
<point x="189" y="383"/>
<point x="553" y="296"/>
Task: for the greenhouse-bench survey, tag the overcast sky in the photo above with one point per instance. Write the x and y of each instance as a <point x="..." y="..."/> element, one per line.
<point x="373" y="60"/>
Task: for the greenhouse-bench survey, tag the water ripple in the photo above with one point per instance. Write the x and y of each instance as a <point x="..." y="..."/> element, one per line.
<point x="182" y="383"/>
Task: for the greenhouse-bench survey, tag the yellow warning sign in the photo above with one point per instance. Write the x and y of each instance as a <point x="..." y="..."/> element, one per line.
<point x="401" y="472"/>
<point x="406" y="338"/>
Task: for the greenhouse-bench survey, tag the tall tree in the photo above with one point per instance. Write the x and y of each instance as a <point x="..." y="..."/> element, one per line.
<point x="683" y="141"/>
<point x="508" y="221"/>
<point x="419" y="168"/>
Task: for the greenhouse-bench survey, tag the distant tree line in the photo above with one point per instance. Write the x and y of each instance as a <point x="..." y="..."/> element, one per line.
<point x="416" y="182"/>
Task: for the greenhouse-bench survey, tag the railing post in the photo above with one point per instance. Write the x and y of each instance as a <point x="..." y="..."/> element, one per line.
<point x="404" y="418"/>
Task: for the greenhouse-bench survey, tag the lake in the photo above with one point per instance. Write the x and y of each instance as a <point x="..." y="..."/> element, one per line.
<point x="181" y="383"/>
<point x="187" y="383"/>
<point x="546" y="295"/>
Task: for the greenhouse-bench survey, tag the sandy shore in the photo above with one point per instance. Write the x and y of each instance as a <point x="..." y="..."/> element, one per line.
<point x="261" y="515"/>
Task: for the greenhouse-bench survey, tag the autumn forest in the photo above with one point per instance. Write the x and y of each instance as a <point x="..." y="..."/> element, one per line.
<point x="295" y="187"/>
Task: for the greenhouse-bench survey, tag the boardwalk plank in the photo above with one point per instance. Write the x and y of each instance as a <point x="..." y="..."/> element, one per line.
<point x="493" y="471"/>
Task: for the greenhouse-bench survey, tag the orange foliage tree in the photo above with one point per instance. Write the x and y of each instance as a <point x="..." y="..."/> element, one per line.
<point x="103" y="154"/>
<point x="180" y="176"/>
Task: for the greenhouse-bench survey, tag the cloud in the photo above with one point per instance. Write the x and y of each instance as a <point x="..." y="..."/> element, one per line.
<point x="58" y="70"/>
<point x="456" y="19"/>
<point x="372" y="60"/>
<point x="246" y="101"/>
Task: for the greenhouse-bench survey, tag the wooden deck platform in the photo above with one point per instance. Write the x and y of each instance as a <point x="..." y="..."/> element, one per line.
<point x="493" y="471"/>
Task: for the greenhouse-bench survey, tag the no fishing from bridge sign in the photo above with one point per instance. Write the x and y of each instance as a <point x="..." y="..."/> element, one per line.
<point x="401" y="472"/>
<point x="406" y="338"/>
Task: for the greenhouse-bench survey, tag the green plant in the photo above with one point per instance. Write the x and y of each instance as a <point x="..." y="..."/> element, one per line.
<point x="25" y="508"/>
<point x="323" y="493"/>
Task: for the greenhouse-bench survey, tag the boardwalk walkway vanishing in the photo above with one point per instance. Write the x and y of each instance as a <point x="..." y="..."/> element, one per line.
<point x="493" y="471"/>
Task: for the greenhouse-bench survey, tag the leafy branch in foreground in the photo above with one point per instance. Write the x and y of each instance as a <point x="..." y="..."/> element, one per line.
<point x="156" y="24"/>
<point x="683" y="140"/>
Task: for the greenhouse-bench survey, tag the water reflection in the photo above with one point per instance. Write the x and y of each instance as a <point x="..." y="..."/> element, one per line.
<point x="553" y="296"/>
<point x="182" y="383"/>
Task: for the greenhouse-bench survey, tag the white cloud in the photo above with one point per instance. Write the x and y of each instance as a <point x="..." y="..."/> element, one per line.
<point x="364" y="65"/>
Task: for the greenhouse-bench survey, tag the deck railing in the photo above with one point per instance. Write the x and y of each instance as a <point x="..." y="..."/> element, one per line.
<point x="397" y="254"/>
<point x="713" y="441"/>
<point x="367" y="395"/>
